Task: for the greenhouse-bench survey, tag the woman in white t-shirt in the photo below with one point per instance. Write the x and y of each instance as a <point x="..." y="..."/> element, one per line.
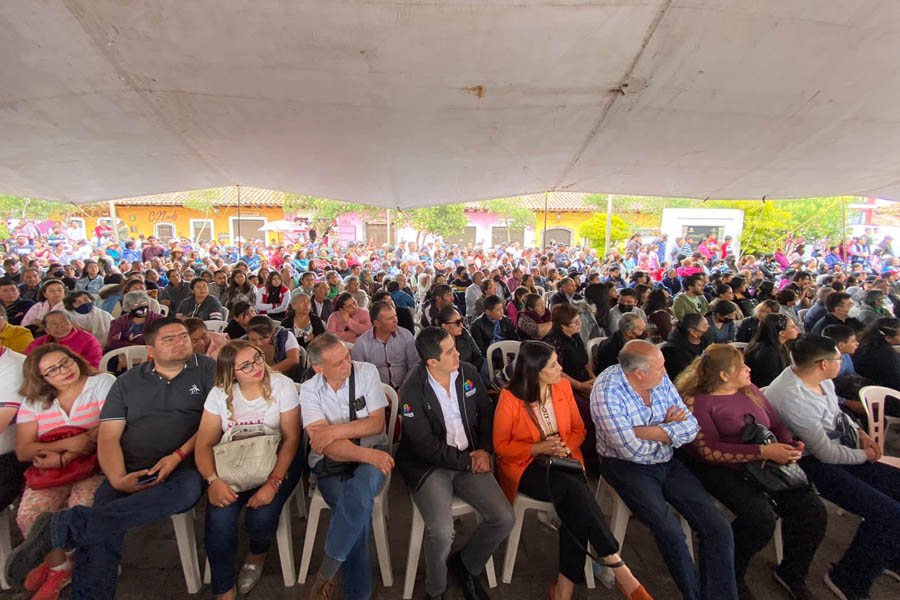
<point x="63" y="395"/>
<point x="246" y="392"/>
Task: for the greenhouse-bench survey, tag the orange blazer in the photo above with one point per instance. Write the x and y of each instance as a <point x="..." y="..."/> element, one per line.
<point x="515" y="432"/>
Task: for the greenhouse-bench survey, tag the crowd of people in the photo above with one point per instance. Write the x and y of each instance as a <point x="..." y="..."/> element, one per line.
<point x="676" y="384"/>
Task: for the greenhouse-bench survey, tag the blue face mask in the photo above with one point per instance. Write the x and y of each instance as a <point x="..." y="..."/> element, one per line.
<point x="84" y="308"/>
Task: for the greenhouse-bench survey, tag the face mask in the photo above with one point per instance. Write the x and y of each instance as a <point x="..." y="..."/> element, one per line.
<point x="58" y="273"/>
<point x="84" y="308"/>
<point x="139" y="312"/>
<point x="625" y="307"/>
<point x="643" y="336"/>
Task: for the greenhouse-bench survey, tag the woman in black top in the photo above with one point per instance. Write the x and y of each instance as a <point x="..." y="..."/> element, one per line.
<point x="450" y="320"/>
<point x="601" y="296"/>
<point x="767" y="355"/>
<point x="301" y="321"/>
<point x="742" y="296"/>
<point x="875" y="358"/>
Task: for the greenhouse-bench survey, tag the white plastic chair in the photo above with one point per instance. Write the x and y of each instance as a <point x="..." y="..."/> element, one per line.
<point x="133" y="355"/>
<point x="592" y="346"/>
<point x="217" y="326"/>
<point x="896" y="349"/>
<point x="186" y="537"/>
<point x="523" y="504"/>
<point x="872" y="397"/>
<point x="547" y="296"/>
<point x="506" y="348"/>
<point x="5" y="545"/>
<point x="739" y="345"/>
<point x="801" y="314"/>
<point x="379" y="510"/>
<point x="164" y="310"/>
<point x="417" y="532"/>
<point x="225" y="314"/>
<point x="283" y="537"/>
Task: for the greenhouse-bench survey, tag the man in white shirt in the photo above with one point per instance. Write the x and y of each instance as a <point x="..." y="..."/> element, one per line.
<point x="445" y="452"/>
<point x="342" y="409"/>
<point x="11" y="470"/>
<point x="851" y="477"/>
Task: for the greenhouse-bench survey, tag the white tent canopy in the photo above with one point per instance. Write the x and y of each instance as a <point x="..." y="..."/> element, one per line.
<point x="406" y="103"/>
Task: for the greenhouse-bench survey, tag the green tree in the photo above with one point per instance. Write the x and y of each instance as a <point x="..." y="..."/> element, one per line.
<point x="326" y="210"/>
<point x="594" y="229"/>
<point x="28" y="208"/>
<point x="511" y="214"/>
<point x="201" y="200"/>
<point x="438" y="221"/>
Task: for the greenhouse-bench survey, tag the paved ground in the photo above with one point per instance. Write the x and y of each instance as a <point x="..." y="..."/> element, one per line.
<point x="151" y="569"/>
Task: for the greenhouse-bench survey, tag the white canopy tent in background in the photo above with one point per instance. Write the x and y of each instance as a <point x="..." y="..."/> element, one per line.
<point x="404" y="103"/>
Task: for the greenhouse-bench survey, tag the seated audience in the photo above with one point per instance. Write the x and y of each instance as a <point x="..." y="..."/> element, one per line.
<point x="567" y="293"/>
<point x="876" y="360"/>
<point x="61" y="330"/>
<point x="301" y="322"/>
<point x="273" y="298"/>
<point x="536" y="416"/>
<point x="135" y="285"/>
<point x="175" y="292"/>
<point x="238" y="290"/>
<point x="516" y="305"/>
<point x="451" y="321"/>
<point x="627" y="304"/>
<point x="747" y="328"/>
<point x="12" y="471"/>
<point x="721" y="322"/>
<point x="16" y="306"/>
<point x="640" y="420"/>
<point x="872" y="307"/>
<point x="14" y="337"/>
<point x="349" y="455"/>
<point x="322" y="306"/>
<point x="128" y="330"/>
<point x="203" y="341"/>
<point x="401" y="298"/>
<point x="691" y="300"/>
<point x="278" y="345"/>
<point x="50" y="298"/>
<point x="386" y="345"/>
<point x="686" y="342"/>
<point x="348" y="321"/>
<point x="725" y="293"/>
<point x="441" y="298"/>
<point x="351" y="286"/>
<point x="148" y="426"/>
<point x="838" y="306"/>
<point x="200" y="304"/>
<point x="534" y="320"/>
<point x="492" y="326"/>
<point x="241" y="313"/>
<point x="87" y="316"/>
<point x="841" y="460"/>
<point x="817" y="310"/>
<point x="847" y="344"/>
<point x="631" y="327"/>
<point x="768" y="354"/>
<point x="660" y="320"/>
<point x="56" y="431"/>
<point x="446" y="453"/>
<point x="245" y="392"/>
<point x="717" y="389"/>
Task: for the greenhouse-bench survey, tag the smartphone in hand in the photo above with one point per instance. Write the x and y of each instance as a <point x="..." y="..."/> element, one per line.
<point x="145" y="479"/>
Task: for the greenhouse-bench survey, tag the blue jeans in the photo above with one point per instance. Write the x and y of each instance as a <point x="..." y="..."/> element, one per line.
<point x="97" y="532"/>
<point x="350" y="498"/>
<point x="221" y="536"/>
<point x="648" y="490"/>
<point x="870" y="491"/>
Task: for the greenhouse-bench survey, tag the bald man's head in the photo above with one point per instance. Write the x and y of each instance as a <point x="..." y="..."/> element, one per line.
<point x="643" y="364"/>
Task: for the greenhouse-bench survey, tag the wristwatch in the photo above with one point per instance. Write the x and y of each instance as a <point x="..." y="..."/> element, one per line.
<point x="211" y="478"/>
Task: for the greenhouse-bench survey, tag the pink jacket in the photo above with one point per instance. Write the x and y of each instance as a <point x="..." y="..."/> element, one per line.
<point x="352" y="329"/>
<point x="79" y="342"/>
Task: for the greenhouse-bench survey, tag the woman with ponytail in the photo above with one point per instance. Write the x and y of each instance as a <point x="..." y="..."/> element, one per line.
<point x="716" y="388"/>
<point x="246" y="392"/>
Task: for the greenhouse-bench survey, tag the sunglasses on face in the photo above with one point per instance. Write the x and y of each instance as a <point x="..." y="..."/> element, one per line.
<point x="456" y="322"/>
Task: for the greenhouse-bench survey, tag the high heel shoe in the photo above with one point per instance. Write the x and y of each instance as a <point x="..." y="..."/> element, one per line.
<point x="638" y="593"/>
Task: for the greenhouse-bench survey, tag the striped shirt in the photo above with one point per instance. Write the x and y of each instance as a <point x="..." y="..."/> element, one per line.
<point x="85" y="411"/>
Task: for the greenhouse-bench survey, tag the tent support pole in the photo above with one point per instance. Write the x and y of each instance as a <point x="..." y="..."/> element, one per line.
<point x="609" y="209"/>
<point x="544" y="232"/>
<point x="238" y="244"/>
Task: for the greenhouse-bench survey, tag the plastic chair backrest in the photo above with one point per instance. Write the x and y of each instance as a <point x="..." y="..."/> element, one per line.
<point x="592" y="346"/>
<point x="509" y="350"/>
<point x="739" y="345"/>
<point x="872" y="397"/>
<point x="394" y="402"/>
<point x="164" y="310"/>
<point x="217" y="326"/>
<point x="131" y="354"/>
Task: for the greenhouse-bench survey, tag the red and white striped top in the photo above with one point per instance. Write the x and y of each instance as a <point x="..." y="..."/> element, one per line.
<point x="85" y="411"/>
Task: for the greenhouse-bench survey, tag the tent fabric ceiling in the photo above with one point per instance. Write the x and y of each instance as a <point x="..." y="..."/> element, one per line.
<point x="405" y="103"/>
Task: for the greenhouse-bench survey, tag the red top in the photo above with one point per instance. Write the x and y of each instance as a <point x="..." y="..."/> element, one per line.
<point x="79" y="342"/>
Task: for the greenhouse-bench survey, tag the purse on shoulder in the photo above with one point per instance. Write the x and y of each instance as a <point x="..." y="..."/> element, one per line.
<point x="771" y="476"/>
<point x="246" y="455"/>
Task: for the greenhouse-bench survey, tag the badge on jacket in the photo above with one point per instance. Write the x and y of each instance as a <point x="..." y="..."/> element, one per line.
<point x="406" y="411"/>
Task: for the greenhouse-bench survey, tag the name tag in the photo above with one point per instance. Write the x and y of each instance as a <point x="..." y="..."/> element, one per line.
<point x="471" y="392"/>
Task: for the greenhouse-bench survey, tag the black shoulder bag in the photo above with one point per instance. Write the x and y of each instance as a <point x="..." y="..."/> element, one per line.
<point x="329" y="466"/>
<point x="770" y="475"/>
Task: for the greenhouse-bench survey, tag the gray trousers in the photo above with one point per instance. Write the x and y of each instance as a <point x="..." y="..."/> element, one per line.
<point x="433" y="499"/>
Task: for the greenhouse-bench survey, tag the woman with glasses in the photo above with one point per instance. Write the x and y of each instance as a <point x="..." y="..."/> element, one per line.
<point x="246" y="392"/>
<point x="768" y="355"/>
<point x="56" y="431"/>
<point x="536" y="416"/>
<point x="451" y="321"/>
<point x="717" y="388"/>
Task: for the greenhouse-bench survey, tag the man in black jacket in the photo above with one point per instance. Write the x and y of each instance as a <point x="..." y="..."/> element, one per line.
<point x="492" y="326"/>
<point x="445" y="452"/>
<point x="838" y="306"/>
<point x="686" y="342"/>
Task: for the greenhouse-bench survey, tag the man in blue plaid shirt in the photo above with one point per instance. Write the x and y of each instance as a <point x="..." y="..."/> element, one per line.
<point x="640" y="420"/>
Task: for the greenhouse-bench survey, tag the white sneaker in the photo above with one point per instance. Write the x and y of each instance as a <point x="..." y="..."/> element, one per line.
<point x="248" y="577"/>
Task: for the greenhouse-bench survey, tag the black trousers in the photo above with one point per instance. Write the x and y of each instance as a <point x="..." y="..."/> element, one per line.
<point x="582" y="520"/>
<point x="12" y="478"/>
<point x="802" y="512"/>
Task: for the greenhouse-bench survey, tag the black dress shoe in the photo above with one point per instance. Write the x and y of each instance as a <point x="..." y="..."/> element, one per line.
<point x="31" y="552"/>
<point x="470" y="584"/>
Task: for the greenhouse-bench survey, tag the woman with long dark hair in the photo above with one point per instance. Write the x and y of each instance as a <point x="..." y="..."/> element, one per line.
<point x="768" y="354"/>
<point x="238" y="290"/>
<point x="600" y="296"/>
<point x="875" y="357"/>
<point x="717" y="388"/>
<point x="274" y="298"/>
<point x="534" y="320"/>
<point x="246" y="392"/>
<point x="660" y="320"/>
<point x="536" y="416"/>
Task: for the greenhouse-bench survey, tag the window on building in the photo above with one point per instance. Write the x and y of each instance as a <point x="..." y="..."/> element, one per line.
<point x="164" y="231"/>
<point x="505" y="235"/>
<point x="202" y="229"/>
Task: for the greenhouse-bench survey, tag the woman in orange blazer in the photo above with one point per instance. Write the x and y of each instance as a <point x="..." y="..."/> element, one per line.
<point x="537" y="415"/>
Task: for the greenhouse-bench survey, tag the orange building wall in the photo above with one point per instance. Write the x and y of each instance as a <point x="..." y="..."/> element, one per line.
<point x="143" y="219"/>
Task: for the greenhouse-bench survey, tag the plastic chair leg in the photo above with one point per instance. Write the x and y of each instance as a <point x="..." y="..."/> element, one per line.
<point x="416" y="533"/>
<point x="286" y="545"/>
<point x="779" y="543"/>
<point x="312" y="525"/>
<point x="382" y="547"/>
<point x="688" y="537"/>
<point x="5" y="545"/>
<point x="300" y="498"/>
<point x="512" y="543"/>
<point x="187" y="549"/>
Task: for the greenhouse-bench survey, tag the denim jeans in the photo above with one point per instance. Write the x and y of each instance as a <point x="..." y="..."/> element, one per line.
<point x="434" y="499"/>
<point x="350" y="498"/>
<point x="97" y="531"/>
<point x="648" y="491"/>
<point x="870" y="491"/>
<point x="221" y="536"/>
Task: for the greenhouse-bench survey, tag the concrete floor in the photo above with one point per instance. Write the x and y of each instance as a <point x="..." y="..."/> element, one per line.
<point x="151" y="568"/>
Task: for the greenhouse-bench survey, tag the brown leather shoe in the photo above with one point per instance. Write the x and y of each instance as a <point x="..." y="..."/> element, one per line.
<point x="321" y="588"/>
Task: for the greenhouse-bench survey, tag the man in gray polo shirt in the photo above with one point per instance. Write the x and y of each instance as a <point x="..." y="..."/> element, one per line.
<point x="349" y="457"/>
<point x="147" y="430"/>
<point x="390" y="348"/>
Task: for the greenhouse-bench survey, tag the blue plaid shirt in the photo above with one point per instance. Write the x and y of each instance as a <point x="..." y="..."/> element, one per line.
<point x="617" y="409"/>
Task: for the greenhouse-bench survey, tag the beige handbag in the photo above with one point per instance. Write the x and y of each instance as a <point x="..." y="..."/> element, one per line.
<point x="246" y="456"/>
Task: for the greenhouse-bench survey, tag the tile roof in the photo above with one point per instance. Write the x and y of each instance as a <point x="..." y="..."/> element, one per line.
<point x="557" y="201"/>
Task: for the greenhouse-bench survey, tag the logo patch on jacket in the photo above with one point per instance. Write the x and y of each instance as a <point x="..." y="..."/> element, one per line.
<point x="406" y="411"/>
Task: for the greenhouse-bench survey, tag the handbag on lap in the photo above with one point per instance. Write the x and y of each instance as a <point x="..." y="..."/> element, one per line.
<point x="773" y="477"/>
